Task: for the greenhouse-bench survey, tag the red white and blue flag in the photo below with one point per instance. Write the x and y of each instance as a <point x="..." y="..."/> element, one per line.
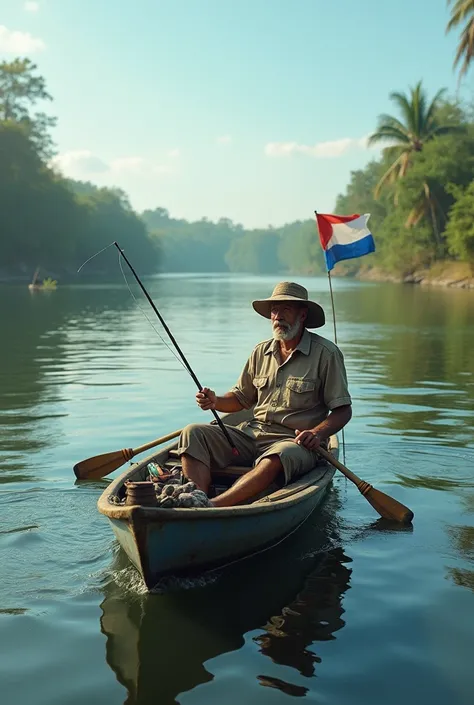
<point x="344" y="237"/>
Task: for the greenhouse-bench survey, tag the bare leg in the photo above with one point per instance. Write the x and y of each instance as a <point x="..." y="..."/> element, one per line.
<point x="197" y="472"/>
<point x="251" y="483"/>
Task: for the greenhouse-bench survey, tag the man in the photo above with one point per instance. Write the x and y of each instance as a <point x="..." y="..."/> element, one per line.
<point x="296" y="383"/>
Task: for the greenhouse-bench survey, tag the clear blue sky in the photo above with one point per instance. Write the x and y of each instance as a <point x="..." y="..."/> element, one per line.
<point x="225" y="108"/>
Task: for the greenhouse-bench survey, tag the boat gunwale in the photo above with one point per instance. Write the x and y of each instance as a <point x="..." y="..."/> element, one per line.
<point x="164" y="515"/>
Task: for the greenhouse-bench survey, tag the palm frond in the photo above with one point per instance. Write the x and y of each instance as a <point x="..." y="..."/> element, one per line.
<point x="389" y="177"/>
<point x="408" y="135"/>
<point x="439" y="130"/>
<point x="394" y="151"/>
<point x="406" y="108"/>
<point x="465" y="48"/>
<point x="460" y="10"/>
<point x="415" y="215"/>
<point x="404" y="163"/>
<point x="431" y="112"/>
<point x="427" y="206"/>
<point x="389" y="134"/>
<point x="385" y="119"/>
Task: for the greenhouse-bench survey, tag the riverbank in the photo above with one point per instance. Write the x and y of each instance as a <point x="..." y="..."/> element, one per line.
<point x="449" y="274"/>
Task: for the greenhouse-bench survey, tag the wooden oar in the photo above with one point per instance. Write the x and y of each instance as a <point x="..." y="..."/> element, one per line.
<point x="100" y="465"/>
<point x="386" y="506"/>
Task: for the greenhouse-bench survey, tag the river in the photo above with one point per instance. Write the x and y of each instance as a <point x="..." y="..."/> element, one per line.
<point x="346" y="612"/>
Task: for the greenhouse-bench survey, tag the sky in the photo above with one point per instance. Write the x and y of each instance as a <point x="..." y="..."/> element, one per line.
<point x="254" y="110"/>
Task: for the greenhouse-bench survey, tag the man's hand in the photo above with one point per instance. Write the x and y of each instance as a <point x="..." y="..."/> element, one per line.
<point x="308" y="439"/>
<point x="206" y="399"/>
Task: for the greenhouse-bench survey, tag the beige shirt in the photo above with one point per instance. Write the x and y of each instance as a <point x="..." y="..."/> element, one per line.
<point x="297" y="394"/>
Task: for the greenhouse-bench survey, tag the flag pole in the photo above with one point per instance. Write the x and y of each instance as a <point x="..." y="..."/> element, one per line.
<point x="335" y="328"/>
<point x="332" y="306"/>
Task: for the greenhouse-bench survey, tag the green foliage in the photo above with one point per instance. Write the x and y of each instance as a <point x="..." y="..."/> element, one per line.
<point x="49" y="284"/>
<point x="420" y="122"/>
<point x="255" y="252"/>
<point x="47" y="220"/>
<point x="460" y="228"/>
<point x="204" y="246"/>
<point x="360" y="198"/>
<point x="418" y="229"/>
<point x="462" y="12"/>
<point x="56" y="224"/>
<point x="20" y="90"/>
<point x="185" y="246"/>
<point x="300" y="251"/>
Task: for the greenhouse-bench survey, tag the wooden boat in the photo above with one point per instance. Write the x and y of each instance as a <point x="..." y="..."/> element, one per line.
<point x="162" y="541"/>
<point x="47" y="284"/>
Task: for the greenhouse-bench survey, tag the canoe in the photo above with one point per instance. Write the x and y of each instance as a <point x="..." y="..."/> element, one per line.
<point x="178" y="541"/>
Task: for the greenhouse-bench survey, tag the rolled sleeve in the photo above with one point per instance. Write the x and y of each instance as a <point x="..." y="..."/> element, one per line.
<point x="334" y="386"/>
<point x="244" y="389"/>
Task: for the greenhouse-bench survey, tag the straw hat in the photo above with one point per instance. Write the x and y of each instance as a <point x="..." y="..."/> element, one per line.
<point x="292" y="293"/>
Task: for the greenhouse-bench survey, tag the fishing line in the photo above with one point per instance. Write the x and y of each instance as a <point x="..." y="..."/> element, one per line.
<point x="149" y="321"/>
<point x="97" y="253"/>
<point x="135" y="299"/>
<point x="183" y="359"/>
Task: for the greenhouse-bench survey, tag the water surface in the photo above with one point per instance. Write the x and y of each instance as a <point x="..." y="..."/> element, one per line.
<point x="346" y="610"/>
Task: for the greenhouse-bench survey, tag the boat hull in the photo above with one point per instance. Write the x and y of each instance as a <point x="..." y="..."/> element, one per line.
<point x="175" y="541"/>
<point x="158" y="546"/>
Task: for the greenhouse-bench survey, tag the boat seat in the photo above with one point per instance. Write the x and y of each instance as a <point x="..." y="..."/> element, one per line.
<point x="229" y="471"/>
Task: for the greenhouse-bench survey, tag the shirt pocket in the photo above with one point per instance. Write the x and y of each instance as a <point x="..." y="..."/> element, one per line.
<point x="299" y="393"/>
<point x="260" y="382"/>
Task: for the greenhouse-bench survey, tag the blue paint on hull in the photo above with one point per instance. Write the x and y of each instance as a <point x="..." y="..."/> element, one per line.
<point x="158" y="548"/>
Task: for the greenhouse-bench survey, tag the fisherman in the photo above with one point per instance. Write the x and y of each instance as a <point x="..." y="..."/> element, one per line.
<point x="296" y="383"/>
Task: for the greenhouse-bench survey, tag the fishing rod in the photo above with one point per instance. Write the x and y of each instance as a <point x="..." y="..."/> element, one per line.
<point x="178" y="349"/>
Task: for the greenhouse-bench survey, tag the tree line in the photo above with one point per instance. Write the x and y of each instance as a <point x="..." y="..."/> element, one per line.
<point x="48" y="221"/>
<point x="204" y="246"/>
<point x="420" y="194"/>
<point x="55" y="223"/>
<point x="421" y="191"/>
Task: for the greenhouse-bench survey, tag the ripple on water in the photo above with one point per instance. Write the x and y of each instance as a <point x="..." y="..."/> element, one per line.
<point x="349" y="612"/>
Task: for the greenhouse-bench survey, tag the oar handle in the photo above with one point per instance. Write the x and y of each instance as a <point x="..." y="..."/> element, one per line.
<point x="348" y="473"/>
<point x="157" y="442"/>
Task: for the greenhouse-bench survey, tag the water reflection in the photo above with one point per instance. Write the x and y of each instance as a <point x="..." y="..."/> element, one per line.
<point x="313" y="616"/>
<point x="409" y="353"/>
<point x="158" y="645"/>
<point x="463" y="577"/>
<point x="43" y="359"/>
<point x="462" y="538"/>
<point x="82" y="373"/>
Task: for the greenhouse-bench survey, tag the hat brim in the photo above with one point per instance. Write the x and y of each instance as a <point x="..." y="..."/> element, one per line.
<point x="315" y="318"/>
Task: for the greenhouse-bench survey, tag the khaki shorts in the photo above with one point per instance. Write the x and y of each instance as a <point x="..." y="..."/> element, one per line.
<point x="207" y="443"/>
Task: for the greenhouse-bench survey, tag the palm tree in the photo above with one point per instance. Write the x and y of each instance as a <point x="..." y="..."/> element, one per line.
<point x="427" y="206"/>
<point x="463" y="10"/>
<point x="408" y="135"/>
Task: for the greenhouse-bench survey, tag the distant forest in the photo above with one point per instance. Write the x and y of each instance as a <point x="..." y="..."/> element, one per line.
<point x="225" y="246"/>
<point x="57" y="223"/>
<point x="420" y="194"/>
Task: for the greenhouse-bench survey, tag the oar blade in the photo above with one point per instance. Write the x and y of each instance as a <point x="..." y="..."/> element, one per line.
<point x="388" y="507"/>
<point x="101" y="465"/>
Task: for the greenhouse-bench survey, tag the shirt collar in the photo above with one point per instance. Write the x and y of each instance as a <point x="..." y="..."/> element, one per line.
<point x="303" y="346"/>
<point x="305" y="343"/>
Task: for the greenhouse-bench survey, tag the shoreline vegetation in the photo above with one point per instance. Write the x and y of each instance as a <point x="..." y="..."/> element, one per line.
<point x="419" y="192"/>
<point x="444" y="274"/>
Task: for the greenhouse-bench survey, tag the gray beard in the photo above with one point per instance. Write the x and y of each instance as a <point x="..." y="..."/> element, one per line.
<point x="287" y="333"/>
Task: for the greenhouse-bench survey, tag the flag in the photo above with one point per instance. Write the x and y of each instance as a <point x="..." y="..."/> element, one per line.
<point x="344" y="237"/>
